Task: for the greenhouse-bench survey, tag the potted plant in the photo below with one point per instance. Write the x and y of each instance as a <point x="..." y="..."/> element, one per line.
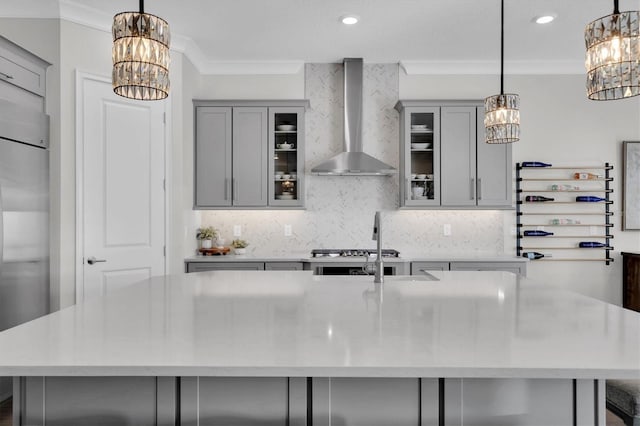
<point x="239" y="246"/>
<point x="206" y="236"/>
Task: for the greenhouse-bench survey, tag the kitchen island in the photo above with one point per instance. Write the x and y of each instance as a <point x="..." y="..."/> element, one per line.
<point x="291" y="348"/>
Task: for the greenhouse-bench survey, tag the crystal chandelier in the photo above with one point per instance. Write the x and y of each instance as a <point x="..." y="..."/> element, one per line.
<point x="140" y="55"/>
<point x="613" y="56"/>
<point x="502" y="112"/>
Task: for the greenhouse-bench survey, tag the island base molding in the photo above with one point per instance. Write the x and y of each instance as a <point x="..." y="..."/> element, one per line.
<point x="300" y="401"/>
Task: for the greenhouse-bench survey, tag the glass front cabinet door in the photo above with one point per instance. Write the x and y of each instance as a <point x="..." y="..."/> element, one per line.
<point x="420" y="156"/>
<point x="286" y="156"/>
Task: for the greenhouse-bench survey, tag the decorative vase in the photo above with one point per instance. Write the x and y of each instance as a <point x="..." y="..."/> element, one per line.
<point x="240" y="250"/>
<point x="220" y="243"/>
<point x="206" y="244"/>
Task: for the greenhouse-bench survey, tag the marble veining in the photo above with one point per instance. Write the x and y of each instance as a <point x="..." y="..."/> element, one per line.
<point x="339" y="210"/>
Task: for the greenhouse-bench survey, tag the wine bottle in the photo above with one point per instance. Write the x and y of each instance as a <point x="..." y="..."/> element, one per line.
<point x="591" y="244"/>
<point x="537" y="233"/>
<point x="535" y="164"/>
<point x="564" y="222"/>
<point x="537" y="198"/>
<point x="589" y="199"/>
<point x="561" y="187"/>
<point x="583" y="176"/>
<point x="534" y="255"/>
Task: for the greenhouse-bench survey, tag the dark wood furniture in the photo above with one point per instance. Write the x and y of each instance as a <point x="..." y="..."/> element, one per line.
<point x="631" y="281"/>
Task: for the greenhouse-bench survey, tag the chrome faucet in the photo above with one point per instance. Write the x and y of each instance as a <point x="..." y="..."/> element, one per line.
<point x="377" y="236"/>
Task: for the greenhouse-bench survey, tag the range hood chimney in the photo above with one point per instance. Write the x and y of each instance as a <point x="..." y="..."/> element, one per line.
<point x="353" y="161"/>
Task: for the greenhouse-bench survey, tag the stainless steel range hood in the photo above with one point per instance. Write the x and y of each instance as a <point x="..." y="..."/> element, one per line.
<point x="353" y="161"/>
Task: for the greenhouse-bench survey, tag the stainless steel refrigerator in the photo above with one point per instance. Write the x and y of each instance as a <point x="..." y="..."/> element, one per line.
<point x="24" y="217"/>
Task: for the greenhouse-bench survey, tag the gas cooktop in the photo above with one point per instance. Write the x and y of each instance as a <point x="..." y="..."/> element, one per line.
<point x="352" y="253"/>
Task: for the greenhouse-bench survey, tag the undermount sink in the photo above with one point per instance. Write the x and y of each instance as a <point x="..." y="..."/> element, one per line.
<point x="424" y="276"/>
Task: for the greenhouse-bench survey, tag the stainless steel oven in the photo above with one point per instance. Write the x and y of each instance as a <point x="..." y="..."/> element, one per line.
<point x="351" y="268"/>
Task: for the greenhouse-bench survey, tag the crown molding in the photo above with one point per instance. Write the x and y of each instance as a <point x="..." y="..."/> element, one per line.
<point x="491" y="67"/>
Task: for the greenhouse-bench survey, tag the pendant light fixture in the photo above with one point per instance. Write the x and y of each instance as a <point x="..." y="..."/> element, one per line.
<point x="613" y="56"/>
<point x="140" y="55"/>
<point x="501" y="112"/>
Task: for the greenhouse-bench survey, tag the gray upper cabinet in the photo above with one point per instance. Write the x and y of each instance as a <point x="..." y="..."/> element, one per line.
<point x="249" y="180"/>
<point x="495" y="181"/>
<point x="458" y="156"/>
<point x="21" y="68"/>
<point x="467" y="172"/>
<point x="244" y="159"/>
<point x="212" y="157"/>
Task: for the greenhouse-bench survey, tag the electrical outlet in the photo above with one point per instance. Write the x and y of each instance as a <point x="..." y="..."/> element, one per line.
<point x="287" y="230"/>
<point x="237" y="231"/>
<point x="446" y="229"/>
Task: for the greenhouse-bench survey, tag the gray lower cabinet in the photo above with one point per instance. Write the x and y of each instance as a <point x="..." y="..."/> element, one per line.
<point x="224" y="266"/>
<point x="283" y="266"/>
<point x="418" y="267"/>
<point x="519" y="268"/>
<point x="516" y="267"/>
<point x="243" y="266"/>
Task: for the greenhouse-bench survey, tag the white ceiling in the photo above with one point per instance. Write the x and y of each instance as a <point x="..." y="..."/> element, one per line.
<point x="426" y="36"/>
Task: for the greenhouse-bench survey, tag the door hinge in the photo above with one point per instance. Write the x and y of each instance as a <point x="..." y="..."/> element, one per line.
<point x="164" y="251"/>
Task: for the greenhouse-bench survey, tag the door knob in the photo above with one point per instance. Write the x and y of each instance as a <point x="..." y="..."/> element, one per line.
<point x="91" y="260"/>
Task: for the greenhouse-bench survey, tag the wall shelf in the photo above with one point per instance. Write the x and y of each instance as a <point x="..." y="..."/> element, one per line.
<point x="534" y="182"/>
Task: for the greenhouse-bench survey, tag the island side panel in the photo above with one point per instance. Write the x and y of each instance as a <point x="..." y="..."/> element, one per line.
<point x="63" y="401"/>
<point x="230" y="401"/>
<point x="375" y="401"/>
<point x="525" y="402"/>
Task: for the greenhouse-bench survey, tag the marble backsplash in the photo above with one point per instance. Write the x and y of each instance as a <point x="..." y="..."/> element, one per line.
<point x="340" y="209"/>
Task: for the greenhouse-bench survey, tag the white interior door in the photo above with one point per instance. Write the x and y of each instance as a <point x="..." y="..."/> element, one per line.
<point x="122" y="150"/>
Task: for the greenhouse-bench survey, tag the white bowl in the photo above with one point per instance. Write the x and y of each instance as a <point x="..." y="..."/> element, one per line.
<point x="429" y="177"/>
<point x="286" y="176"/>
<point x="413" y="175"/>
<point x="421" y="176"/>
<point x="418" y="127"/>
<point x="286" y="127"/>
<point x="421" y="145"/>
<point x="285" y="146"/>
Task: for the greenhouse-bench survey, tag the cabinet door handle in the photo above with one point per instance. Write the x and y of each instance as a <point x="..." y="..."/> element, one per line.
<point x="235" y="189"/>
<point x="479" y="188"/>
<point x="7" y="76"/>
<point x="226" y="188"/>
<point x="471" y="182"/>
<point x="408" y="191"/>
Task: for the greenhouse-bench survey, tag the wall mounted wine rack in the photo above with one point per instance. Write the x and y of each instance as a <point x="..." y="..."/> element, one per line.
<point x="562" y="213"/>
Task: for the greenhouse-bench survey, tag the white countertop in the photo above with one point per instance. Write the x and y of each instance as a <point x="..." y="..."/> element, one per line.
<point x="306" y="257"/>
<point x="271" y="323"/>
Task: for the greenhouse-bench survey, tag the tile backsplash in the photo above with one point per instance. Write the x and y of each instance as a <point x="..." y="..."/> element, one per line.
<point x="340" y="209"/>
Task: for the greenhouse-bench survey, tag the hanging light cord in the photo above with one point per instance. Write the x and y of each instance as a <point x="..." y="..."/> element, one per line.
<point x="616" y="11"/>
<point x="141" y="6"/>
<point x="502" y="47"/>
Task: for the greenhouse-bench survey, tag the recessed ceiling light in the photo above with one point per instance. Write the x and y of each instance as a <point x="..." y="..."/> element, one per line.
<point x="349" y="19"/>
<point x="545" y="19"/>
